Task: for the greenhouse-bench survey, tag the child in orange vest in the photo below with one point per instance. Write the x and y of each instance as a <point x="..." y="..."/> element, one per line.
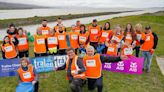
<point x="52" y="42"/>
<point x="118" y="38"/>
<point x="8" y="49"/>
<point x="111" y="48"/>
<point x="27" y="73"/>
<point x="23" y="43"/>
<point x="127" y="49"/>
<point x="83" y="40"/>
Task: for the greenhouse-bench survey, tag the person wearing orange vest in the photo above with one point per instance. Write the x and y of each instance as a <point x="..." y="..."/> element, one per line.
<point x="44" y="28"/>
<point x="148" y="46"/>
<point x="59" y="23"/>
<point x="27" y="73"/>
<point x="23" y="43"/>
<point x="12" y="31"/>
<point x="93" y="63"/>
<point x="40" y="48"/>
<point x="106" y="35"/>
<point x="73" y="38"/>
<point x="139" y="36"/>
<point x="111" y="48"/>
<point x="83" y="40"/>
<point x="77" y="28"/>
<point x="63" y="41"/>
<point x="94" y="33"/>
<point x="8" y="49"/>
<point x="75" y="71"/>
<point x="118" y="38"/>
<point x="52" y="43"/>
<point x="127" y="49"/>
<point x="129" y="34"/>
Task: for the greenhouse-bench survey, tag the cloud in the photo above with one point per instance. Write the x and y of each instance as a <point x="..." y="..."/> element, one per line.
<point x="94" y="3"/>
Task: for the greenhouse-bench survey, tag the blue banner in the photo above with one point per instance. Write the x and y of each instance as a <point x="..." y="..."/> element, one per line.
<point x="8" y="67"/>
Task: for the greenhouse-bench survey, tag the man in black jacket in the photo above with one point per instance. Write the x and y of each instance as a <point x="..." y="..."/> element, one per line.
<point x="148" y="47"/>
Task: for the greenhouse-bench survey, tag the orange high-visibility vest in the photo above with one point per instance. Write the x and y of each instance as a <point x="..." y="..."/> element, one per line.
<point x="140" y="35"/>
<point x="117" y="38"/>
<point x="23" y="43"/>
<point x="11" y="37"/>
<point x="39" y="44"/>
<point x="149" y="42"/>
<point x="127" y="50"/>
<point x="56" y="28"/>
<point x="94" y="33"/>
<point x="77" y="29"/>
<point x="112" y="50"/>
<point x="128" y="37"/>
<point x="93" y="66"/>
<point x="62" y="41"/>
<point x="83" y="38"/>
<point x="26" y="76"/>
<point x="52" y="41"/>
<point x="9" y="50"/>
<point x="105" y="35"/>
<point x="74" y="67"/>
<point x="74" y="36"/>
<point x="45" y="30"/>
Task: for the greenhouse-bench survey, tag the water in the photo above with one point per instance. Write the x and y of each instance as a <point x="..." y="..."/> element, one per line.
<point x="24" y="13"/>
<point x="68" y="23"/>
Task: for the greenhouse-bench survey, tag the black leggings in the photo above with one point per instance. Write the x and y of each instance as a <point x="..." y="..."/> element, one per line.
<point x="23" y="54"/>
<point x="92" y="83"/>
<point x="62" y="52"/>
<point x="40" y="54"/>
<point x="137" y="48"/>
<point x="36" y="86"/>
<point x="94" y="44"/>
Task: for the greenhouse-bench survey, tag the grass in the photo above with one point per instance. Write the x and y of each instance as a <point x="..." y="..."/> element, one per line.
<point x="113" y="82"/>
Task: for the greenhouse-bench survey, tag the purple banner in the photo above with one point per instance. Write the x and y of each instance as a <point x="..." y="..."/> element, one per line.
<point x="133" y="65"/>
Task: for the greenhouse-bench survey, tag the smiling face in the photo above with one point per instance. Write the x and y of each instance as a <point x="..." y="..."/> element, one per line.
<point x="6" y="39"/>
<point x="44" y="23"/>
<point x="118" y="30"/>
<point x="20" y="32"/>
<point x="12" y="29"/>
<point x="39" y="32"/>
<point x="90" y="51"/>
<point x="106" y="25"/>
<point x="59" y="21"/>
<point x="24" y="63"/>
<point x="52" y="32"/>
<point x="71" y="54"/>
<point x="129" y="27"/>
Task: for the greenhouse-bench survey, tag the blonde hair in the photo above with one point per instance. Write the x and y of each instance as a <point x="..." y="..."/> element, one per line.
<point x="138" y="26"/>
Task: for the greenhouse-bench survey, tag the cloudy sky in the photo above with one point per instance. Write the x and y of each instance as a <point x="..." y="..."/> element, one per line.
<point x="94" y="3"/>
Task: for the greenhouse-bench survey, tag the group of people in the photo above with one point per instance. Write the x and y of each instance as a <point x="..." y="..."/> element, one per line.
<point x="88" y="43"/>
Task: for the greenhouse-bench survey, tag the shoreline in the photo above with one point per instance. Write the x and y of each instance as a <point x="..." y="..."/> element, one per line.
<point x="37" y="19"/>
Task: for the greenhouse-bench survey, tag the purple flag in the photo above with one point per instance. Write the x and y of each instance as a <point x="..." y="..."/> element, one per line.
<point x="132" y="65"/>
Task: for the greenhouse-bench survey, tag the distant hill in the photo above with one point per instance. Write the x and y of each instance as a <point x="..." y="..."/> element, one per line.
<point x="4" y="5"/>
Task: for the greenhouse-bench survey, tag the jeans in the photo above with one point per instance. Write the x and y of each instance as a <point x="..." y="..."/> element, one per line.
<point x="147" y="59"/>
<point x="76" y="85"/>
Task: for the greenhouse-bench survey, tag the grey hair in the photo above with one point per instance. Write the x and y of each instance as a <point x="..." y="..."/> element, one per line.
<point x="90" y="48"/>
